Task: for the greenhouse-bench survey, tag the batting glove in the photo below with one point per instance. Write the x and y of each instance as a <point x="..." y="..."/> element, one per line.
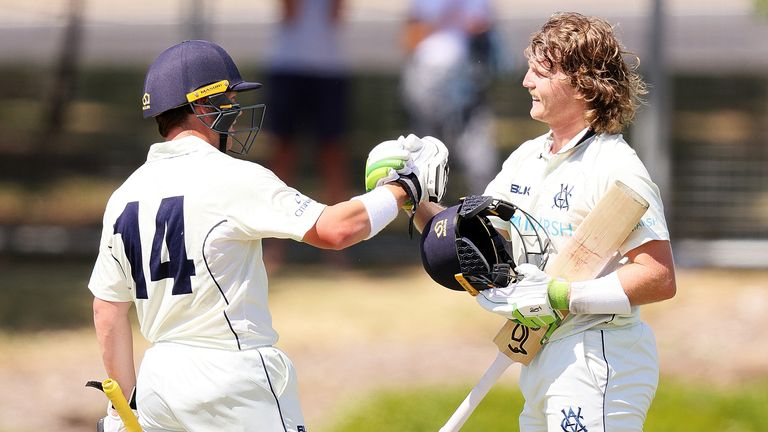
<point x="385" y="163"/>
<point x="527" y="301"/>
<point x="420" y="165"/>
<point x="430" y="165"/>
<point x="112" y="422"/>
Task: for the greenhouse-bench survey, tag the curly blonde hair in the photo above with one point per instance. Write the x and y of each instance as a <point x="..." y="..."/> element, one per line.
<point x="587" y="52"/>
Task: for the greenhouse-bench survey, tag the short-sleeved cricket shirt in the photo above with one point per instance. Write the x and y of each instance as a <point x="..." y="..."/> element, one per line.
<point x="182" y="239"/>
<point x="559" y="190"/>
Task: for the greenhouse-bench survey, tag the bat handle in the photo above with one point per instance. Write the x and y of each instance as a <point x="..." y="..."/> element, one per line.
<point x="489" y="378"/>
<point x="115" y="395"/>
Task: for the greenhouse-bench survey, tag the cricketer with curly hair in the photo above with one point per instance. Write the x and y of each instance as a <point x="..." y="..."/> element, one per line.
<point x="599" y="370"/>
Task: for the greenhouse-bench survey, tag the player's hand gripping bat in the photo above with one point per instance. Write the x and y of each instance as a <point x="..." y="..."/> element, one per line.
<point x="584" y="256"/>
<point x="115" y="395"/>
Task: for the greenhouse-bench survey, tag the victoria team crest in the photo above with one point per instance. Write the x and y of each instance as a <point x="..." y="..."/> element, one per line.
<point x="562" y="198"/>
<point x="572" y="421"/>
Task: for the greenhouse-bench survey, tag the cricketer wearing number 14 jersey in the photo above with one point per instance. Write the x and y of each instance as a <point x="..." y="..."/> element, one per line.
<point x="189" y="252"/>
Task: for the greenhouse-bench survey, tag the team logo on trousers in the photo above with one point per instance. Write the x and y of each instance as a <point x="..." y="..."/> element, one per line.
<point x="572" y="421"/>
<point x="561" y="199"/>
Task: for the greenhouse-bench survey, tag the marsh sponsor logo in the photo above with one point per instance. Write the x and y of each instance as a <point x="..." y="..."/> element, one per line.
<point x="553" y="228"/>
<point x="648" y="222"/>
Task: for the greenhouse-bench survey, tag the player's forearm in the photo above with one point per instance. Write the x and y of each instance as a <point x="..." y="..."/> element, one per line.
<point x="349" y="222"/>
<point x="114" y="333"/>
<point x="339" y="226"/>
<point x="650" y="275"/>
<point x="424" y="213"/>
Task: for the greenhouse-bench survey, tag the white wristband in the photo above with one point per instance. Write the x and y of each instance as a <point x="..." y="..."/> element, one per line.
<point x="604" y="295"/>
<point x="381" y="206"/>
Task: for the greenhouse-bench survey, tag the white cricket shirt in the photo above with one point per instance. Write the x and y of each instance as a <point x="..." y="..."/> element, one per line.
<point x="559" y="190"/>
<point x="182" y="239"/>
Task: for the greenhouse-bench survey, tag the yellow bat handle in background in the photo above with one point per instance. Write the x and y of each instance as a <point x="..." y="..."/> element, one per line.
<point x="115" y="395"/>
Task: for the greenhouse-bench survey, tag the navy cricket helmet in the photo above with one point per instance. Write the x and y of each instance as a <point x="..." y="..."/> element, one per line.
<point x="461" y="250"/>
<point x="200" y="73"/>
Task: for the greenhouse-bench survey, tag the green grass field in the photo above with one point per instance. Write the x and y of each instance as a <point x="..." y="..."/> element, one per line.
<point x="677" y="408"/>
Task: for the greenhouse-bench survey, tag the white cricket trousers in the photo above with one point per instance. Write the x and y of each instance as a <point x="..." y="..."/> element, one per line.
<point x="186" y="388"/>
<point x="595" y="381"/>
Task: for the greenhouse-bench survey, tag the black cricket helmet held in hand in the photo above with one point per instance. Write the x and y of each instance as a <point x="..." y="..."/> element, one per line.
<point x="461" y="249"/>
<point x="202" y="74"/>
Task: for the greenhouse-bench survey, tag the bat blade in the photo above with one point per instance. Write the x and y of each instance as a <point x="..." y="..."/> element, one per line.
<point x="600" y="234"/>
<point x="583" y="257"/>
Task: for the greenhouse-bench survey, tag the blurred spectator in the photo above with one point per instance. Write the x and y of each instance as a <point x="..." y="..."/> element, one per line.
<point x="451" y="62"/>
<point x="307" y="93"/>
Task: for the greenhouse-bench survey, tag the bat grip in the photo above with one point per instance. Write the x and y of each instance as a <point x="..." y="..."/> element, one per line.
<point x="489" y="378"/>
<point x="115" y="395"/>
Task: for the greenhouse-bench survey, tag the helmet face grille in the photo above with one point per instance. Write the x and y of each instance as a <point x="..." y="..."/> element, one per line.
<point x="241" y="123"/>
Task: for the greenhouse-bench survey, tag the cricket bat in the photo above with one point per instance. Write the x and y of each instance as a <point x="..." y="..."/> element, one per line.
<point x="583" y="257"/>
<point x="115" y="395"/>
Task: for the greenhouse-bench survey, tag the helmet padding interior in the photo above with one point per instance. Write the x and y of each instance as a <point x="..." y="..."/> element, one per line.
<point x="475" y="247"/>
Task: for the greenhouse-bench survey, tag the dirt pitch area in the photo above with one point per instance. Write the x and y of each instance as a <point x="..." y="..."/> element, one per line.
<point x="352" y="332"/>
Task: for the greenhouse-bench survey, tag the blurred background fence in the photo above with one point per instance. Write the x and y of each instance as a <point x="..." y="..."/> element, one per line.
<point x="71" y="127"/>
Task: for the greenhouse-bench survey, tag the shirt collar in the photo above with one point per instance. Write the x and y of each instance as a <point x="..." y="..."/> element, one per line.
<point x="580" y="137"/>
<point x="178" y="147"/>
